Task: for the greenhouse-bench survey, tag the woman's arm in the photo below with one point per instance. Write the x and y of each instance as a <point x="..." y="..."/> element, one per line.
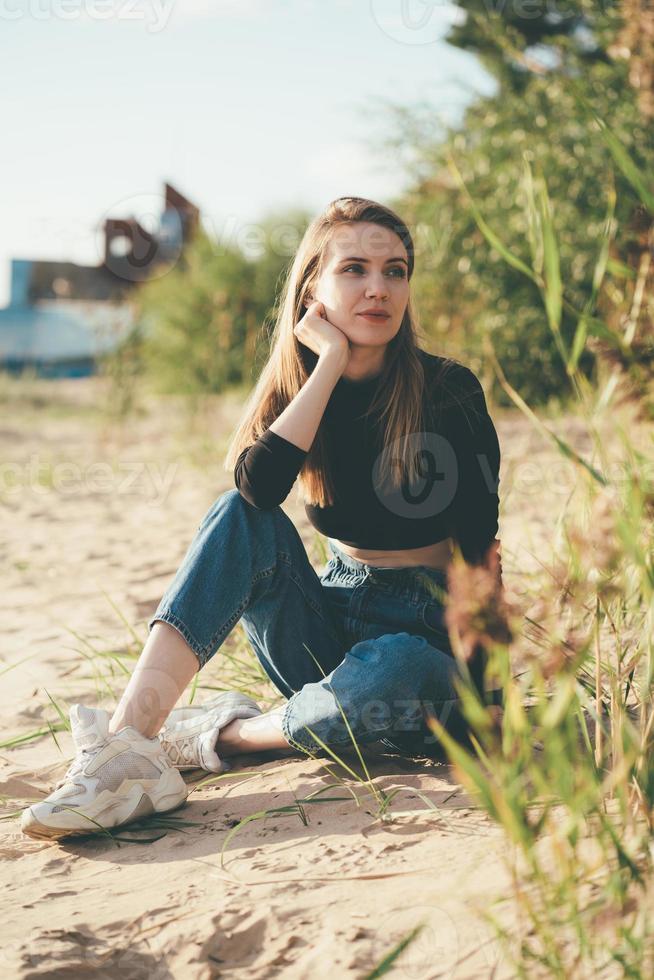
<point x="265" y="471"/>
<point x="478" y="455"/>
<point x="299" y="421"/>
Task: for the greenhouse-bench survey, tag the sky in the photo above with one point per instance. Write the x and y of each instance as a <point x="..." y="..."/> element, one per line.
<point x="246" y="106"/>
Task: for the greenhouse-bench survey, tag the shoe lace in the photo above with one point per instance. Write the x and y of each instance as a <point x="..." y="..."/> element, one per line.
<point x="185" y="750"/>
<point x="180" y="749"/>
<point x="80" y="762"/>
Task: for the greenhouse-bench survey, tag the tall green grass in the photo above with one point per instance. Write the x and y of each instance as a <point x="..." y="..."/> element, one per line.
<point x="569" y="772"/>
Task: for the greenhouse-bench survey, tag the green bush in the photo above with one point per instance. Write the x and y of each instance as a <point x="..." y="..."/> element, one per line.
<point x="465" y="291"/>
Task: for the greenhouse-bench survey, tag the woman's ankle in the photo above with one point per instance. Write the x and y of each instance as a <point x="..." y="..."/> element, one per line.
<point x="127" y="715"/>
<point x="262" y="733"/>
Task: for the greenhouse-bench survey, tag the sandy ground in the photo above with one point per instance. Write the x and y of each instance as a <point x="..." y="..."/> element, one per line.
<point x="95" y="519"/>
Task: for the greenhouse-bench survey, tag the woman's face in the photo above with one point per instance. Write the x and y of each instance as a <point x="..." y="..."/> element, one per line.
<point x="365" y="267"/>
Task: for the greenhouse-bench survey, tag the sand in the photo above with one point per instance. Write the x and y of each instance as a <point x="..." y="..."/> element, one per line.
<point x="95" y="518"/>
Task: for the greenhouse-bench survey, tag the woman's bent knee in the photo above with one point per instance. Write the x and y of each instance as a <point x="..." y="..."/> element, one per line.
<point x="231" y="502"/>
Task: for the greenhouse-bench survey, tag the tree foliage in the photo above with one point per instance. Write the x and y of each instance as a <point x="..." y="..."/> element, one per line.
<point x="204" y="324"/>
<point x="542" y="62"/>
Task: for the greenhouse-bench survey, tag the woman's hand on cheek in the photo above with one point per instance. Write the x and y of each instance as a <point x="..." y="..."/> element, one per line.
<point x="317" y="333"/>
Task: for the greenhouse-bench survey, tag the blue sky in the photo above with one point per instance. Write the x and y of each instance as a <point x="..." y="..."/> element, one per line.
<point x="248" y="106"/>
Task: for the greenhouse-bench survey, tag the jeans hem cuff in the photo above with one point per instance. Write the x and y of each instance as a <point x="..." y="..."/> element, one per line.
<point x="168" y="617"/>
<point x="312" y="746"/>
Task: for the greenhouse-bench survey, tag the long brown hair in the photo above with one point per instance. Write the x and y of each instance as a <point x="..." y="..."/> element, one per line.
<point x="399" y="392"/>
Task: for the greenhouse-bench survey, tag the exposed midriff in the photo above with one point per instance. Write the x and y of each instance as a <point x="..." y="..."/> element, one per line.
<point x="435" y="555"/>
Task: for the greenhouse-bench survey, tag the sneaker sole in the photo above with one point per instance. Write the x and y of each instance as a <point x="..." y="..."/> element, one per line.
<point x="139" y="802"/>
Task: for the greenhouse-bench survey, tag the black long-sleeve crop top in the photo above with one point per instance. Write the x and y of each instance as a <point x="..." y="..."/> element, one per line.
<point x="459" y="463"/>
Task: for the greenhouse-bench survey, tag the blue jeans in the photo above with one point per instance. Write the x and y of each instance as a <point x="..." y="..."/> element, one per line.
<point x="370" y="639"/>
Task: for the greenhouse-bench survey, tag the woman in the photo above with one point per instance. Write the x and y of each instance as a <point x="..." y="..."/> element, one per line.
<point x="398" y="460"/>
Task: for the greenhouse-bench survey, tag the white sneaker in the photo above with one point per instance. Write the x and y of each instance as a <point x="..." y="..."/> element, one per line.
<point x="114" y="778"/>
<point x="190" y="734"/>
